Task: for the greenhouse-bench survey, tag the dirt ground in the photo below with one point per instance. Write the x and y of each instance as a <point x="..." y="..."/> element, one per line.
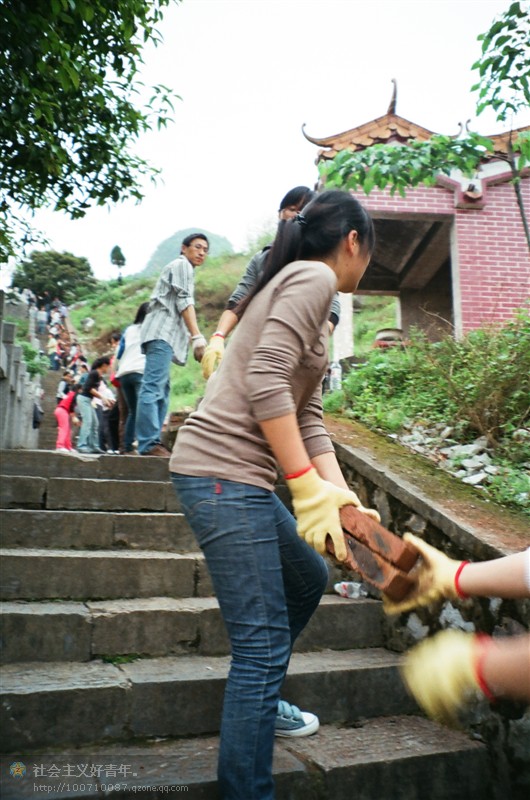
<point x="511" y="530"/>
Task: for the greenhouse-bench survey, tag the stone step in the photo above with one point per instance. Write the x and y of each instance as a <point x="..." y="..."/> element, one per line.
<point x="393" y="758"/>
<point x="49" y="464"/>
<point x="83" y="530"/>
<point x="87" y="494"/>
<point x="39" y="574"/>
<point x="163" y="626"/>
<point x="77" y="703"/>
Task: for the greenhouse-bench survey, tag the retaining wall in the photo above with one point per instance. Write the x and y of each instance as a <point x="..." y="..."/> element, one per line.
<point x="18" y="389"/>
<point x="504" y="726"/>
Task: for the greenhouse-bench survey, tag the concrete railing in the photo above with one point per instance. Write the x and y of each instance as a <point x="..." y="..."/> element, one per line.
<point x="405" y="505"/>
<point x="19" y="391"/>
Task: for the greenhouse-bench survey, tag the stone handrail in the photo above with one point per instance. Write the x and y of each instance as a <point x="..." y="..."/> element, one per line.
<point x="18" y="389"/>
<point x="405" y="504"/>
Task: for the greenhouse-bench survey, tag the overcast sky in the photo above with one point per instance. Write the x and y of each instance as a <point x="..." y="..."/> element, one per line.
<point x="250" y="73"/>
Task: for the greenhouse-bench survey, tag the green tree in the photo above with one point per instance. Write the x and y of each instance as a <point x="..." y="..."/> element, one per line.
<point x="72" y="106"/>
<point x="118" y="259"/>
<point x="63" y="275"/>
<point x="504" y="65"/>
<point x="504" y="70"/>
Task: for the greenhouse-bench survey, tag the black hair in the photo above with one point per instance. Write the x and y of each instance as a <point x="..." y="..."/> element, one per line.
<point x="314" y="234"/>
<point x="297" y="197"/>
<point x="141" y="311"/>
<point x="99" y="362"/>
<point x="189" y="239"/>
<point x="115" y="336"/>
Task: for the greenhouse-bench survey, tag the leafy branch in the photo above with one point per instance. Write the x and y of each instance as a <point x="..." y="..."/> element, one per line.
<point x="72" y="105"/>
<point x="401" y="166"/>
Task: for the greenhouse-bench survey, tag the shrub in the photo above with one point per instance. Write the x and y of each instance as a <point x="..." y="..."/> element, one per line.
<point x="481" y="383"/>
<point x="36" y="364"/>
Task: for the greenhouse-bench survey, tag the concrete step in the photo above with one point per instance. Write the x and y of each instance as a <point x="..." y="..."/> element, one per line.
<point x="83" y="530"/>
<point x="394" y="758"/>
<point x="49" y="464"/>
<point x="87" y="494"/>
<point x="34" y="574"/>
<point x="162" y="626"/>
<point x="77" y="703"/>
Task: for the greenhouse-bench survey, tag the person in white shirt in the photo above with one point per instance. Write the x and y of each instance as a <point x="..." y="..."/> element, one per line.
<point x="130" y="371"/>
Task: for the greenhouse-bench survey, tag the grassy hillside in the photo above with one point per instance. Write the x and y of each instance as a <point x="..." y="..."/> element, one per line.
<point x="376" y="312"/>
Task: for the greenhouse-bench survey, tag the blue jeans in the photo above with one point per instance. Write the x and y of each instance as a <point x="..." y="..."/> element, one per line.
<point x="130" y="385"/>
<point x="88" y="438"/>
<point x="268" y="583"/>
<point x="153" y="398"/>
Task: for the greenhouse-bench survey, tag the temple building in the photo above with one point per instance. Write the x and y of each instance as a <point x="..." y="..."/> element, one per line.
<point x="454" y="254"/>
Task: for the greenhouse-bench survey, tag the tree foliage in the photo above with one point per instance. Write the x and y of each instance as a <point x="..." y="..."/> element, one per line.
<point x="63" y="275"/>
<point x="116" y="257"/>
<point x="402" y="166"/>
<point x="504" y="65"/>
<point x="71" y="105"/>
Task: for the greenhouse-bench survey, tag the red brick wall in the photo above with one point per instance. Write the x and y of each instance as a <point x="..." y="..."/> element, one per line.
<point x="490" y="257"/>
<point x="422" y="200"/>
<point x="493" y="257"/>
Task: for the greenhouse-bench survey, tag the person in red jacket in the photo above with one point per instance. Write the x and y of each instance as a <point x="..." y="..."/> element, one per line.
<point x="64" y="414"/>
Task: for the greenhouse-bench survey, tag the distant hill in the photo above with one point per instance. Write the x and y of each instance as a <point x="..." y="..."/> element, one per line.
<point x="170" y="248"/>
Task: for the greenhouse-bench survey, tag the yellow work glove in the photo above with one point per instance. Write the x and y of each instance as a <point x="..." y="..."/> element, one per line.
<point x="316" y="505"/>
<point x="443" y="673"/>
<point x="213" y="355"/>
<point x="436" y="578"/>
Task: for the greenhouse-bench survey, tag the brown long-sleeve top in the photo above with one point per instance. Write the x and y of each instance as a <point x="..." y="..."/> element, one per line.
<point x="273" y="366"/>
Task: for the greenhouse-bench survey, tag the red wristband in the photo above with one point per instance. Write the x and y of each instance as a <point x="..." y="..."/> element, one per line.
<point x="218" y="333"/>
<point x="298" y="474"/>
<point x="459" y="591"/>
<point x="483" y="643"/>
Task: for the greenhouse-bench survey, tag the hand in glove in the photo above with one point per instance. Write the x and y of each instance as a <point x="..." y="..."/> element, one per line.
<point x="198" y="344"/>
<point x="444" y="672"/>
<point x="213" y="355"/>
<point x="436" y="578"/>
<point x="316" y="505"/>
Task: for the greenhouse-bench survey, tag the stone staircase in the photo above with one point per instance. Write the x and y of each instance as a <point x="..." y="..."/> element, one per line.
<point x="115" y="656"/>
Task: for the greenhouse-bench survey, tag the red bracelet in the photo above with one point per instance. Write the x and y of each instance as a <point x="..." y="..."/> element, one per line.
<point x="483" y="643"/>
<point x="459" y="591"/>
<point x="298" y="474"/>
<point x="218" y="333"/>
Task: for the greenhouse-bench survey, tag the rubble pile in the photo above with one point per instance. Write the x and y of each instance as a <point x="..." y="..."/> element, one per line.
<point x="472" y="463"/>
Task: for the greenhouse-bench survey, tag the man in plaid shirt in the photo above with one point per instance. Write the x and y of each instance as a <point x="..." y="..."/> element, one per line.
<point x="169" y="325"/>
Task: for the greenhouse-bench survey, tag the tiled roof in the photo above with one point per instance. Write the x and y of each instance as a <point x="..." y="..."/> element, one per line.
<point x="387" y="129"/>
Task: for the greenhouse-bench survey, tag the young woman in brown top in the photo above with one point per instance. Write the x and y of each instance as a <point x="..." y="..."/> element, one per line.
<point x="262" y="411"/>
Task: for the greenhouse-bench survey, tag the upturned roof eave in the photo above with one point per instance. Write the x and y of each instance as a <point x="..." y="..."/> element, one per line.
<point x="375" y="127"/>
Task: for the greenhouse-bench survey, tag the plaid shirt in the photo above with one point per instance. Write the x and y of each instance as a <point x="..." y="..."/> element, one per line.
<point x="173" y="293"/>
